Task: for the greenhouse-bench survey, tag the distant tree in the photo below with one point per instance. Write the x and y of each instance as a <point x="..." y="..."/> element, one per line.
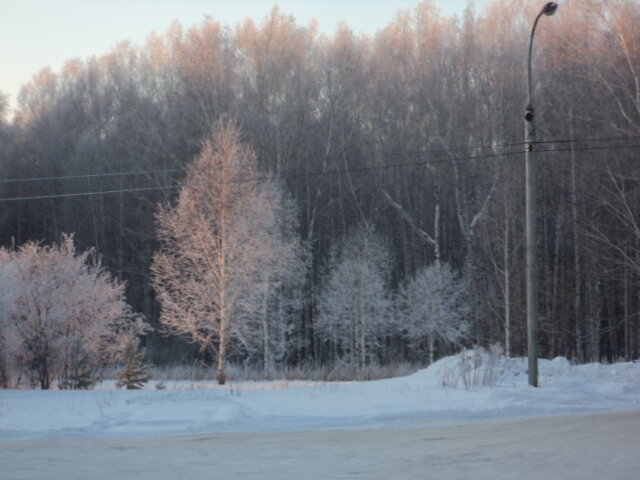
<point x="275" y="295"/>
<point x="425" y="110"/>
<point x="65" y="316"/>
<point x="292" y="298"/>
<point x="6" y="356"/>
<point x="222" y="246"/>
<point x="4" y="109"/>
<point x="353" y="306"/>
<point x="434" y="306"/>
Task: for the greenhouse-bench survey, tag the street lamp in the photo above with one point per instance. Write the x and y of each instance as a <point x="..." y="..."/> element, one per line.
<point x="531" y="187"/>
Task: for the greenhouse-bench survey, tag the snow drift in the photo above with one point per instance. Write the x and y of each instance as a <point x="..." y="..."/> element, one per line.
<point x="415" y="400"/>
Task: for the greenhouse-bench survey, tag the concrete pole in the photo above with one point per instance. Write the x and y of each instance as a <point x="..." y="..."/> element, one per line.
<point x="531" y="230"/>
<point x="532" y="242"/>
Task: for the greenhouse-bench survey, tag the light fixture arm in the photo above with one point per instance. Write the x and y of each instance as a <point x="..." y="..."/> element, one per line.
<point x="549" y="9"/>
<point x="533" y="31"/>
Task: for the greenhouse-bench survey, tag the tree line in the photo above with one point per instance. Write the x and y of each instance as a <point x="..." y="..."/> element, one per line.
<point x="406" y="145"/>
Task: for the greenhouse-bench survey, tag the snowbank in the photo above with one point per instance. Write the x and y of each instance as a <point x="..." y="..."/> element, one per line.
<point x="418" y="399"/>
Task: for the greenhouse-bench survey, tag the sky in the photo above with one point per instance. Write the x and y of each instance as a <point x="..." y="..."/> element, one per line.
<point x="39" y="33"/>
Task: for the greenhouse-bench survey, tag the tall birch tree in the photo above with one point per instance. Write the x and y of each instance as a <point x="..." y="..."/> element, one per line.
<point x="220" y="246"/>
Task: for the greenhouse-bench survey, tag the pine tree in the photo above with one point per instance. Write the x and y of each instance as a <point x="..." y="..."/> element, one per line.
<point x="135" y="373"/>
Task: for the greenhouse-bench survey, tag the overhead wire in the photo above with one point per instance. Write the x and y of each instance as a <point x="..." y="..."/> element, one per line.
<point x="299" y="174"/>
<point x="261" y="178"/>
<point x="384" y="154"/>
<point x="88" y="175"/>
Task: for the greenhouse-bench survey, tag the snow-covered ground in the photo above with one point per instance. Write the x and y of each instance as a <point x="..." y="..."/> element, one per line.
<point x="416" y="400"/>
<point x="566" y="447"/>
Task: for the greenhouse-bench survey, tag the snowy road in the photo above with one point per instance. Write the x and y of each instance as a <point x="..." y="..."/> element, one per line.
<point x="601" y="446"/>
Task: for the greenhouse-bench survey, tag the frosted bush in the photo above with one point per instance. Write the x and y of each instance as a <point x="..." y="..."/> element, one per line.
<point x="475" y="368"/>
<point x="63" y="317"/>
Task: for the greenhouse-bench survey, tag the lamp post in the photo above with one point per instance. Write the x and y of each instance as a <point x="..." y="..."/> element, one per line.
<point x="531" y="232"/>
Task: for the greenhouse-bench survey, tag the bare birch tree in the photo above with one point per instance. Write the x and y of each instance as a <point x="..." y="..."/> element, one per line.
<point x="220" y="245"/>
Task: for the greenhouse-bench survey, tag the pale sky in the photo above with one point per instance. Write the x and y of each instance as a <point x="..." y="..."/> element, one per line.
<point x="39" y="33"/>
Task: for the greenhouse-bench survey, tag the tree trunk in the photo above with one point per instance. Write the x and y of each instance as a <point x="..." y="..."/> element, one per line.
<point x="266" y="337"/>
<point x="552" y="316"/>
<point x="627" y="323"/>
<point x="431" y="346"/>
<point x="593" y="344"/>
<point x="577" y="299"/>
<point x="221" y="376"/>
<point x="507" y="287"/>
<point x="360" y="326"/>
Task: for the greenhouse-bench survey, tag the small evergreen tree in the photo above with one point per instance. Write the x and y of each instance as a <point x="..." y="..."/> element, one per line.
<point x="135" y="372"/>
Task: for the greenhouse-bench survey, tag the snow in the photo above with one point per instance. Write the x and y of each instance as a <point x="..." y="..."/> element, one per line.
<point x="582" y="423"/>
<point x="282" y="406"/>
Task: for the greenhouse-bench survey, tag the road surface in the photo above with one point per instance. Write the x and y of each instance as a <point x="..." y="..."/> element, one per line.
<point x="581" y="447"/>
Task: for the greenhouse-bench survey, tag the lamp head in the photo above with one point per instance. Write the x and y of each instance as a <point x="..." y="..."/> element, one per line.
<point x="550" y="8"/>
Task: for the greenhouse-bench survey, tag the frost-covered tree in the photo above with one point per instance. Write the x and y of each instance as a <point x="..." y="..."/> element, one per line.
<point x="225" y="249"/>
<point x="275" y="302"/>
<point x="269" y="308"/>
<point x="288" y="305"/>
<point x="353" y="306"/>
<point x="6" y="358"/>
<point x="434" y="306"/>
<point x="64" y="316"/>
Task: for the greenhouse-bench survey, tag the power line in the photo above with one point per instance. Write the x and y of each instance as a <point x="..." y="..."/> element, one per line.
<point x="581" y="140"/>
<point x="90" y="175"/>
<point x="86" y="194"/>
<point x="320" y="173"/>
<point x="175" y="170"/>
<point x="388" y="154"/>
<point x="583" y="149"/>
<point x="264" y="177"/>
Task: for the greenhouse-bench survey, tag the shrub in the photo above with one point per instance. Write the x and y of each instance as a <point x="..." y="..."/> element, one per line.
<point x="474" y="368"/>
<point x="62" y="315"/>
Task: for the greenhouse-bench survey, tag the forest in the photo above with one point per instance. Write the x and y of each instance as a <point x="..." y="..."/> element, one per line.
<point x="388" y="170"/>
